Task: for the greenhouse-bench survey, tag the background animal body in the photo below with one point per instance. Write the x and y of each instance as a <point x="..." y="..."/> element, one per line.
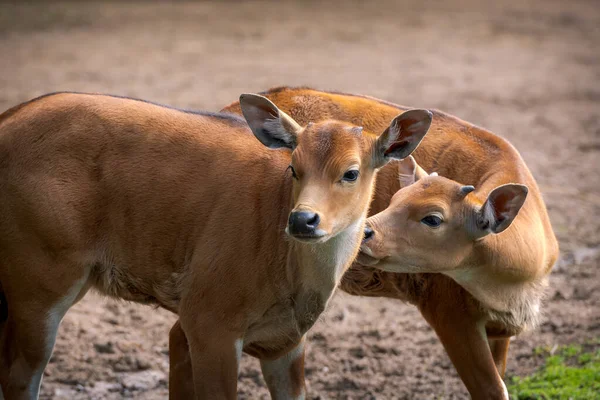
<point x="527" y="71"/>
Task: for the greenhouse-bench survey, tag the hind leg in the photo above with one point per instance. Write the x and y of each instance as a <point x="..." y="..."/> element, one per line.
<point x="26" y="349"/>
<point x="181" y="378"/>
<point x="449" y="311"/>
<point x="35" y="310"/>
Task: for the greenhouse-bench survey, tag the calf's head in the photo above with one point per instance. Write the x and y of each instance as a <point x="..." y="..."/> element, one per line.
<point x="433" y="223"/>
<point x="332" y="163"/>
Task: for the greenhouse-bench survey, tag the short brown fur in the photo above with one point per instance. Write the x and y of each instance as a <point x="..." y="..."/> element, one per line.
<point x="472" y="156"/>
<point x="181" y="210"/>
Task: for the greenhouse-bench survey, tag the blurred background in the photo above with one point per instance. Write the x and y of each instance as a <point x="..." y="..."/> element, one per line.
<point x="528" y="70"/>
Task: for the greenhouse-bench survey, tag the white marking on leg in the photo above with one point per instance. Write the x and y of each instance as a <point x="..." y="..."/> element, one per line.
<point x="239" y="346"/>
<point x="58" y="311"/>
<point x="53" y="318"/>
<point x="505" y="390"/>
<point x="277" y="374"/>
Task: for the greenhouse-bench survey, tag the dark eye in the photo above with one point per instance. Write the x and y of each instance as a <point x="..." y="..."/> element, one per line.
<point x="350" y="176"/>
<point x="432" y="220"/>
<point x="293" y="171"/>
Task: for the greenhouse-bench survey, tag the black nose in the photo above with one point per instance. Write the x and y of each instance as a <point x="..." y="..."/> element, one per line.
<point x="369" y="233"/>
<point x="303" y="222"/>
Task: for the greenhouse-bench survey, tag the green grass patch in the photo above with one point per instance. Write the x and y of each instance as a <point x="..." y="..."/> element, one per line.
<point x="570" y="373"/>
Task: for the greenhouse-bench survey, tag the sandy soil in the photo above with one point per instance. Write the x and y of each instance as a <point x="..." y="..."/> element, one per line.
<point x="529" y="71"/>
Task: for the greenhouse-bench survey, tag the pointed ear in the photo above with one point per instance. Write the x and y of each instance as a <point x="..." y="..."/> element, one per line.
<point x="501" y="207"/>
<point x="402" y="136"/>
<point x="409" y="172"/>
<point x="270" y="125"/>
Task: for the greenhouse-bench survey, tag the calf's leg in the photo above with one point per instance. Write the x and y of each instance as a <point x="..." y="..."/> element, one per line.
<point x="448" y="310"/>
<point x="285" y="375"/>
<point x="38" y="292"/>
<point x="181" y="378"/>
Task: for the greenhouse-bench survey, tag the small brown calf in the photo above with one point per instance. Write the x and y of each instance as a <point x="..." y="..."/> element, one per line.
<point x="186" y="211"/>
<point x="435" y="225"/>
<point x="492" y="284"/>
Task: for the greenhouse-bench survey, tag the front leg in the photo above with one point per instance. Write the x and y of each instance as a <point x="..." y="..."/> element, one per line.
<point x="499" y="348"/>
<point x="285" y="375"/>
<point x="214" y="356"/>
<point x="448" y="310"/>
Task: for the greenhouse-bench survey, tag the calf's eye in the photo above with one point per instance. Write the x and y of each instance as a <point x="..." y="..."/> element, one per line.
<point x="432" y="220"/>
<point x="350" y="176"/>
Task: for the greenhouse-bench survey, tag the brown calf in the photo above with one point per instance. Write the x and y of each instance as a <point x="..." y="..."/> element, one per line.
<point x="492" y="284"/>
<point x="186" y="211"/>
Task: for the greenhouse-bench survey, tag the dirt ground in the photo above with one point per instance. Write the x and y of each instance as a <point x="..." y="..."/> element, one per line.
<point x="527" y="70"/>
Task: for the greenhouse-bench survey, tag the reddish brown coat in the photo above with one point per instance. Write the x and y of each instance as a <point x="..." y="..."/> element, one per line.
<point x="525" y="253"/>
<point x="182" y="210"/>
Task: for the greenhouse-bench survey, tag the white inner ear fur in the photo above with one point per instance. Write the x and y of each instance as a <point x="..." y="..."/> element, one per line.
<point x="410" y="172"/>
<point x="407" y="170"/>
<point x="406" y="180"/>
<point x="487" y="216"/>
<point x="278" y="131"/>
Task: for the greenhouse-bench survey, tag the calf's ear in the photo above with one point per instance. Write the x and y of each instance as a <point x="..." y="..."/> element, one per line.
<point x="270" y="125"/>
<point x="402" y="136"/>
<point x="409" y="172"/>
<point x="501" y="207"/>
